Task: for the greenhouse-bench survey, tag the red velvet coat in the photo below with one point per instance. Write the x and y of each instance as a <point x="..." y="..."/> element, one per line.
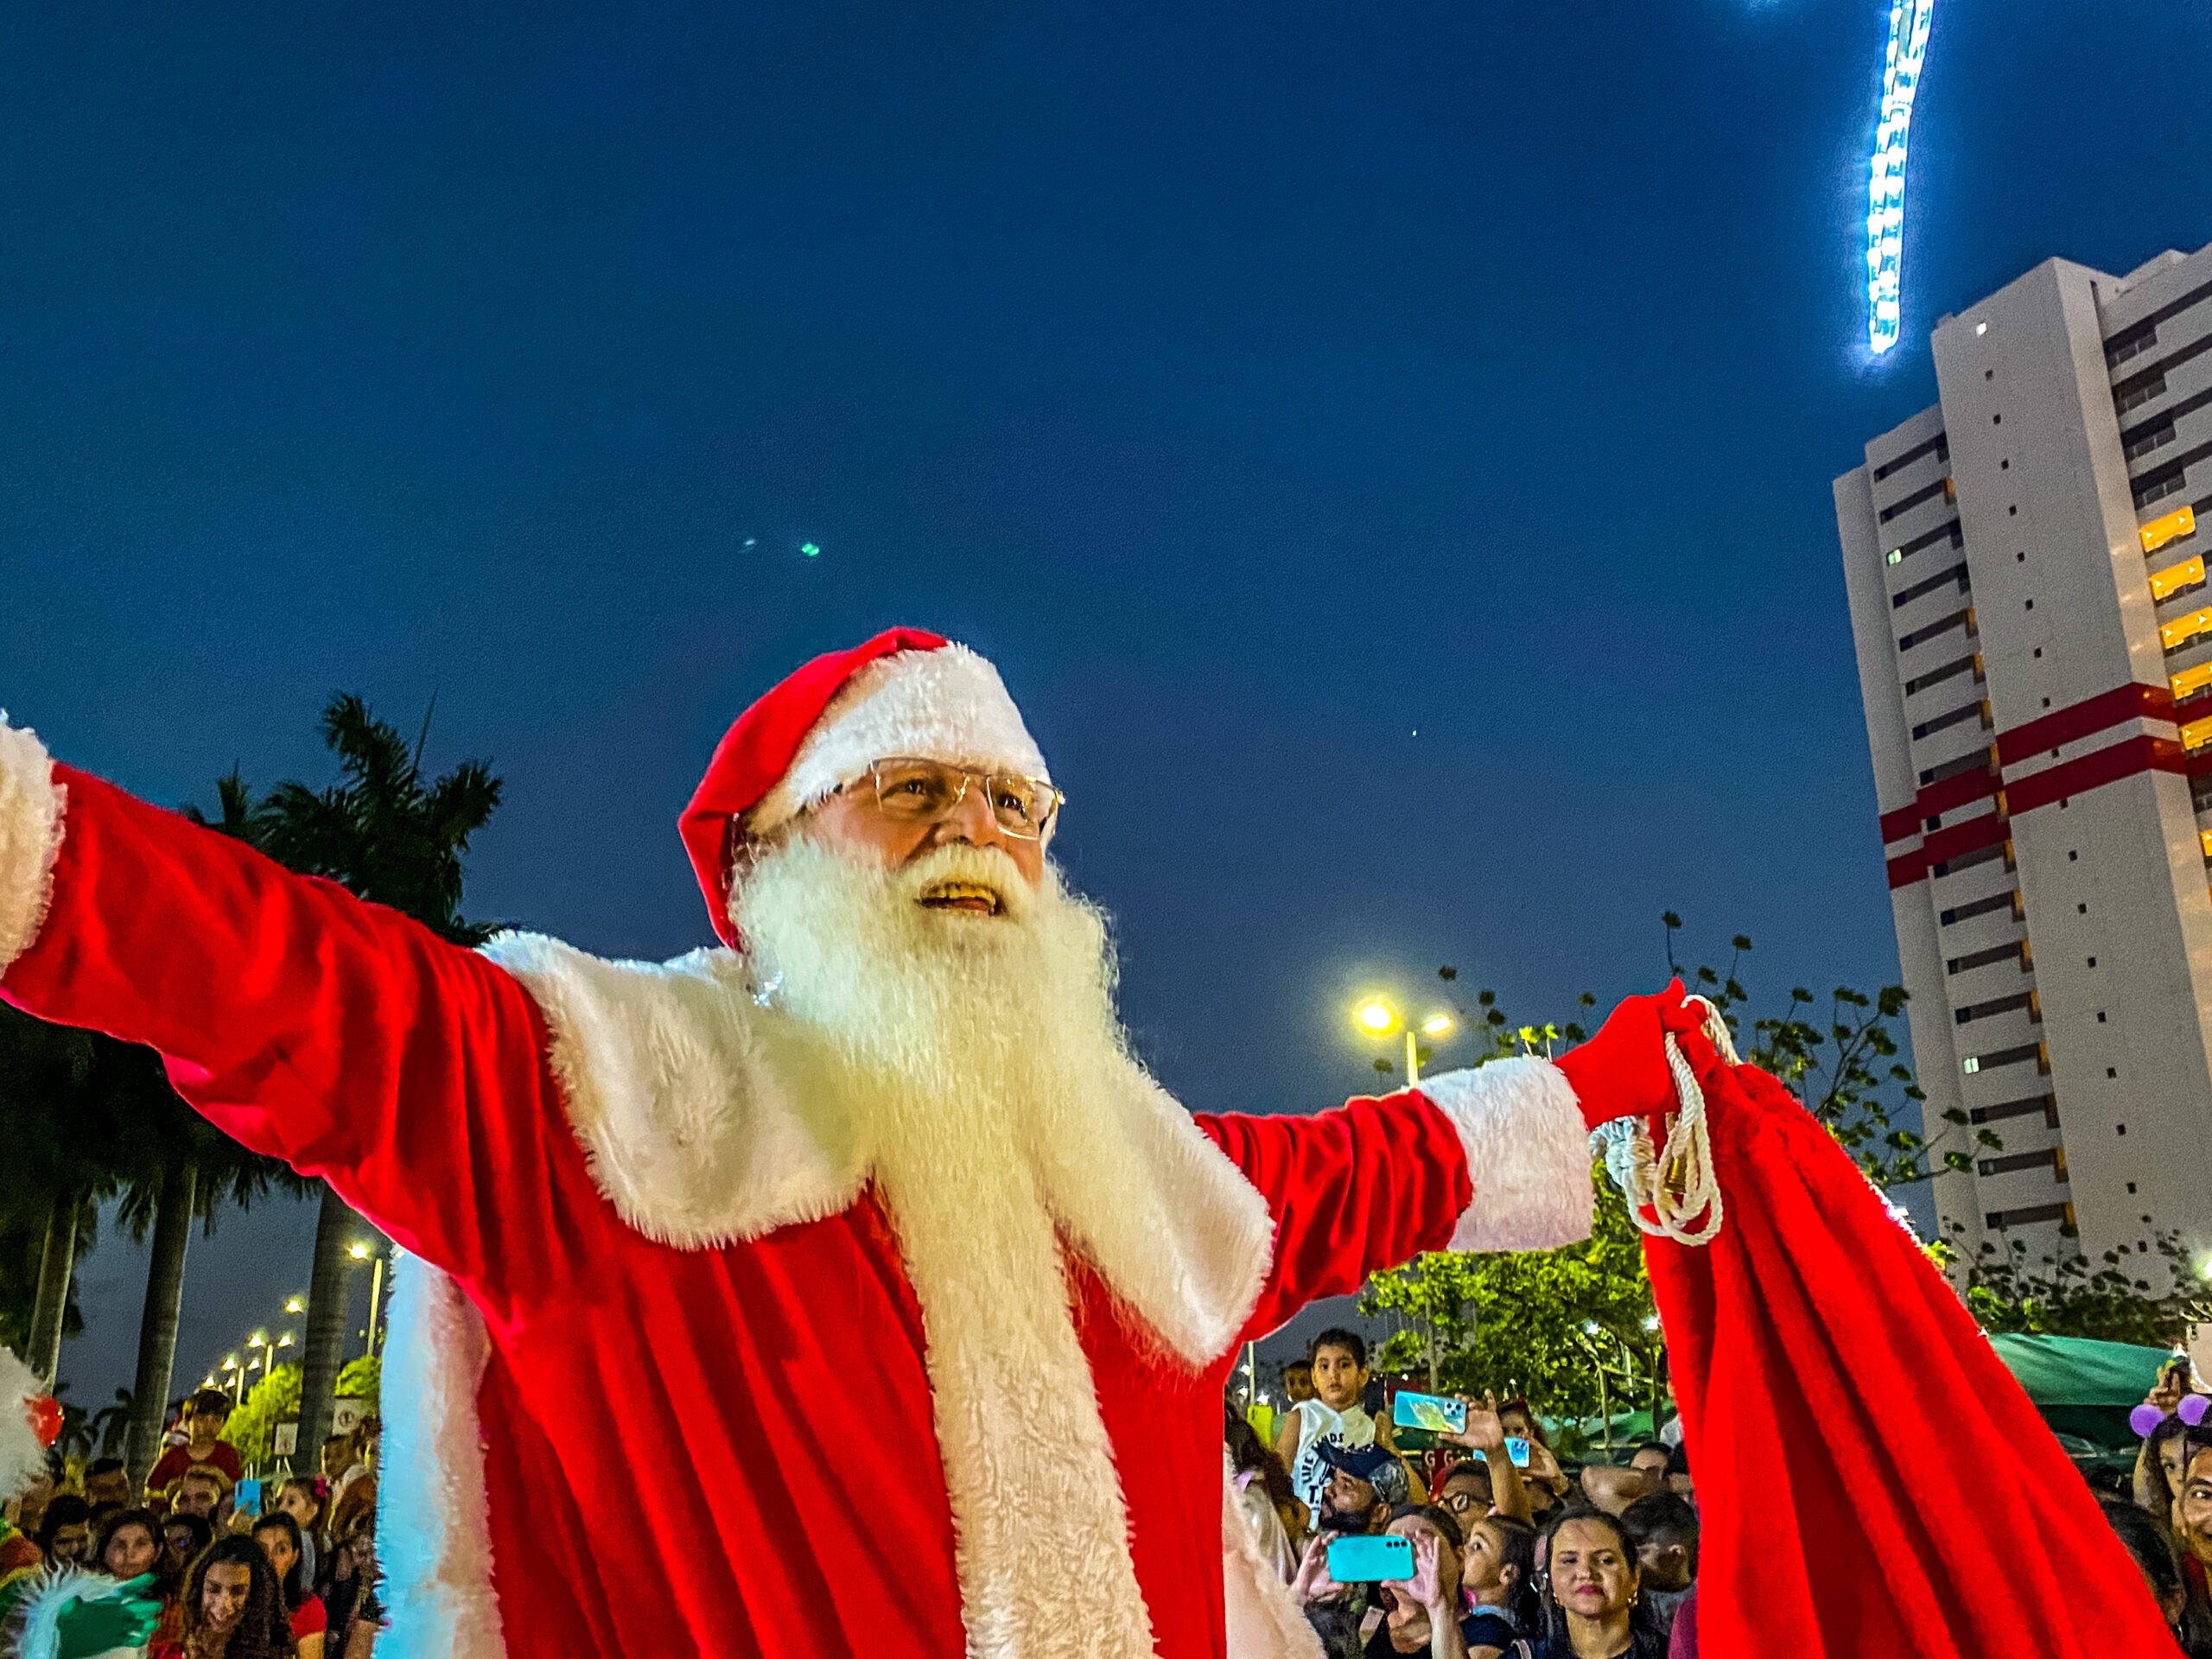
<point x="719" y="1450"/>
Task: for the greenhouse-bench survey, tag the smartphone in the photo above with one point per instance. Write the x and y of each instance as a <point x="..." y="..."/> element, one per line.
<point x="1430" y="1411"/>
<point x="248" y="1497"/>
<point x="1369" y="1559"/>
<point x="1517" y="1449"/>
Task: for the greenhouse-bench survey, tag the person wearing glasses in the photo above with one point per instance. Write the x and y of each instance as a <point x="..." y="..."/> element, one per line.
<point x="867" y="1225"/>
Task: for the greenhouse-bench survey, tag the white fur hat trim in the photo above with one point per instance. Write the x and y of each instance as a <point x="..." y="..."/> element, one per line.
<point x="947" y="704"/>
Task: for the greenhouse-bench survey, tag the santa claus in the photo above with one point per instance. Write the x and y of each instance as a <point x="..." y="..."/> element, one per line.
<point x="847" y="1288"/>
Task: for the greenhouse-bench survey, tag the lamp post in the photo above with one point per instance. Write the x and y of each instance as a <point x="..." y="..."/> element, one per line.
<point x="1376" y="1016"/>
<point x="361" y="1252"/>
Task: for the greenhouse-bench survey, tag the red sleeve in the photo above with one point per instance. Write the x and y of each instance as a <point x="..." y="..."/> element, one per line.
<point x="336" y="1035"/>
<point x="1363" y="1186"/>
<point x="167" y="1468"/>
<point x="309" y="1617"/>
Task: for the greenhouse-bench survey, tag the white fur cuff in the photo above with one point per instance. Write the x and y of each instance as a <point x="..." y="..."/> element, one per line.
<point x="1528" y="1154"/>
<point x="31" y="836"/>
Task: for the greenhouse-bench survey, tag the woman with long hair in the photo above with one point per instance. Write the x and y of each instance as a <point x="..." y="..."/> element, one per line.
<point x="2156" y="1480"/>
<point x="231" y="1607"/>
<point x="279" y="1535"/>
<point x="306" y="1498"/>
<point x="1590" y="1587"/>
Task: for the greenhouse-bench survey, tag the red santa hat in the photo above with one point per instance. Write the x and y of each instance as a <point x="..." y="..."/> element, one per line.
<point x="906" y="692"/>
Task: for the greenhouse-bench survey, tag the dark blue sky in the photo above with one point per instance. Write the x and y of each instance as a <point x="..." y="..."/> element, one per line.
<point x="1260" y="385"/>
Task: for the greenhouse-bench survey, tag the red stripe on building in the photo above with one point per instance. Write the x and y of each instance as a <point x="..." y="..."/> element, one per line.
<point x="1907" y="869"/>
<point x="1905" y="821"/>
<point x="2107" y="765"/>
<point x="2084" y="719"/>
<point x="1961" y="838"/>
<point x="1960" y="789"/>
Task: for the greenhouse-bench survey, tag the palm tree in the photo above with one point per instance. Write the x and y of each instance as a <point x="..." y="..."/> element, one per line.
<point x="390" y="836"/>
<point x="61" y="1125"/>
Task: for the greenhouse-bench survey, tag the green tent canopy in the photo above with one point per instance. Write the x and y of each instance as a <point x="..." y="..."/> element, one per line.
<point x="2082" y="1387"/>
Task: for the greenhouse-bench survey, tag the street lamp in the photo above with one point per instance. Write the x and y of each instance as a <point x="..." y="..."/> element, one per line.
<point x="1376" y="1017"/>
<point x="361" y="1252"/>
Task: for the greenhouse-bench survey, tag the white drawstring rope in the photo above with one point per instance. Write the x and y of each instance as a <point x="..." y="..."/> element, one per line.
<point x="1675" y="1185"/>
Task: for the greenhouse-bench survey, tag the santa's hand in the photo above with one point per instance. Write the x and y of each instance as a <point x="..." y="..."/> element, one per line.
<point x="105" y="1617"/>
<point x="1622" y="1071"/>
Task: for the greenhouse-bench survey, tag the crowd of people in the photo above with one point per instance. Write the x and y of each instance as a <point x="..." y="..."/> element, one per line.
<point x="1516" y="1554"/>
<point x="282" y="1568"/>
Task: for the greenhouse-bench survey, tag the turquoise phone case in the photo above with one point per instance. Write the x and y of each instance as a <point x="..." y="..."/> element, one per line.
<point x="1368" y="1560"/>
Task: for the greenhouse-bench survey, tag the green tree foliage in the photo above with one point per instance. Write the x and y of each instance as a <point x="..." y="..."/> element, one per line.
<point x="2119" y="1300"/>
<point x="363" y="1380"/>
<point x="274" y="1400"/>
<point x="1846" y="1064"/>
<point x="1538" y="1323"/>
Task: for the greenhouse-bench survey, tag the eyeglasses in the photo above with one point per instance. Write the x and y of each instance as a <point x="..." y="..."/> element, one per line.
<point x="929" y="791"/>
<point x="1460" y="1503"/>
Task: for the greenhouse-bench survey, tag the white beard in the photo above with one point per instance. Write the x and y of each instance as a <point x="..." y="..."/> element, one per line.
<point x="995" y="1101"/>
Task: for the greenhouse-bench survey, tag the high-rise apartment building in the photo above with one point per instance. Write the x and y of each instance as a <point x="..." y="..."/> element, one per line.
<point x="2034" y="633"/>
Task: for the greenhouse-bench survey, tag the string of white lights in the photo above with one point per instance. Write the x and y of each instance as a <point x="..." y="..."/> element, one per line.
<point x="1910" y="22"/>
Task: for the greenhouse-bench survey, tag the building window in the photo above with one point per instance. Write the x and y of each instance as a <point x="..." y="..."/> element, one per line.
<point x="2177" y="578"/>
<point x="2178" y="633"/>
<point x="1957" y="573"/>
<point x="2156" y="435"/>
<point x="2136" y="397"/>
<point x="2172" y="527"/>
<point x="2127" y="348"/>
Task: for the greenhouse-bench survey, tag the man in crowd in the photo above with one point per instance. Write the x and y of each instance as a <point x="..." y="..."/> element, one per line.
<point x="204" y="1451"/>
<point x="1663" y="1528"/>
<point x="201" y="1492"/>
<point x="1364" y="1484"/>
<point x="107" y="1484"/>
<point x="1650" y="1460"/>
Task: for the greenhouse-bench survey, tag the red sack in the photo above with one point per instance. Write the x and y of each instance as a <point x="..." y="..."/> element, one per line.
<point x="1871" y="1478"/>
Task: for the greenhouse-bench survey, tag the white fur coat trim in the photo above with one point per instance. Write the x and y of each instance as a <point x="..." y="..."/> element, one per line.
<point x="31" y="837"/>
<point x="434" y="1526"/>
<point x="1264" y="1621"/>
<point x="672" y="1087"/>
<point x="1528" y="1154"/>
<point x="21" y="1457"/>
<point x="947" y="704"/>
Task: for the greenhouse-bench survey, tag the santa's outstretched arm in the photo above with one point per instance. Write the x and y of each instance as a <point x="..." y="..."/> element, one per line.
<point x="334" y="1034"/>
<point x="1496" y="1158"/>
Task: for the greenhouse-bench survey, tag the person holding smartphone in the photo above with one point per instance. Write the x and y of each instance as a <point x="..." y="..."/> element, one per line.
<point x="1485" y="1435"/>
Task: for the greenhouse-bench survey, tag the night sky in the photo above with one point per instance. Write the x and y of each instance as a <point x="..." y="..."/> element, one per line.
<point x="1386" y="447"/>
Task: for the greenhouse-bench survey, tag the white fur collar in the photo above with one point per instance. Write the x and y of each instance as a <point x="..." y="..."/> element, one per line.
<point x="697" y="1142"/>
